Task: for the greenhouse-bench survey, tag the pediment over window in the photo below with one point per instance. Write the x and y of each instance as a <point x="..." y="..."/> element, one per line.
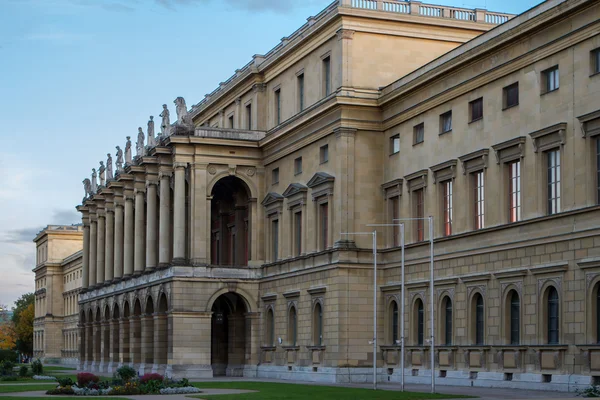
<point x="392" y="188"/>
<point x="475" y="161"/>
<point x="293" y="189"/>
<point x="321" y="184"/>
<point x="590" y="124"/>
<point x="416" y="180"/>
<point x="272" y="198"/>
<point x="444" y="171"/>
<point x="511" y="150"/>
<point x="549" y="138"/>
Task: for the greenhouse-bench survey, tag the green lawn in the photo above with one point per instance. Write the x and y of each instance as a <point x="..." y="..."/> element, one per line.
<point x="54" y="369"/>
<point x="59" y="398"/>
<point x="285" y="391"/>
<point x="25" y="388"/>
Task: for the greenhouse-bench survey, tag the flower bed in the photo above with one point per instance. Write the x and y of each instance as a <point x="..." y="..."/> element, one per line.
<point x="124" y="383"/>
<point x="44" y="378"/>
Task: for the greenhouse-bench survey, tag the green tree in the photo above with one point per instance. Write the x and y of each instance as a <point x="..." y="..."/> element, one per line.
<point x="23" y="315"/>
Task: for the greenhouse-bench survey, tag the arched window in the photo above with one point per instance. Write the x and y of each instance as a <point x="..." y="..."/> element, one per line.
<point x="270" y="328"/>
<point x="420" y="322"/>
<point x="446" y="322"/>
<point x="395" y="319"/>
<point x="292" y="326"/>
<point x="479" y="322"/>
<point x="318" y="325"/>
<point x="598" y="315"/>
<point x="515" y="318"/>
<point x="552" y="316"/>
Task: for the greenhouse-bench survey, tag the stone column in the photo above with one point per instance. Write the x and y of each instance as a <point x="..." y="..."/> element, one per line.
<point x="124" y="353"/>
<point x="252" y="338"/>
<point x="118" y="246"/>
<point x="147" y="343"/>
<point x="164" y="240"/>
<point x="241" y="246"/>
<point x="82" y="354"/>
<point x="104" y="351"/>
<point x="160" y="343"/>
<point x="139" y="260"/>
<point x="135" y="341"/>
<point x="93" y="247"/>
<point x="97" y="331"/>
<point x="113" y="341"/>
<point x="151" y="225"/>
<point x="86" y="254"/>
<point x="100" y="249"/>
<point x="128" y="237"/>
<point x="344" y="187"/>
<point x="109" y="243"/>
<point x="179" y="214"/>
<point x="200" y="220"/>
<point x="89" y="345"/>
<point x="191" y="354"/>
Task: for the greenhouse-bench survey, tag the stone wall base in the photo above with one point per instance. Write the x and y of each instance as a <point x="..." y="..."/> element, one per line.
<point x="189" y="371"/>
<point x="529" y="381"/>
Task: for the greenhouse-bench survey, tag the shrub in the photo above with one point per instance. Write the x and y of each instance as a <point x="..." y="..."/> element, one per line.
<point x="592" y="391"/>
<point x="151" y="377"/>
<point x="37" y="367"/>
<point x="85" y="378"/>
<point x="65" y="381"/>
<point x="130" y="388"/>
<point x="8" y="355"/>
<point x="61" y="390"/>
<point x="125" y="373"/>
<point x="6" y="367"/>
<point x="9" y="378"/>
<point x="23" y="371"/>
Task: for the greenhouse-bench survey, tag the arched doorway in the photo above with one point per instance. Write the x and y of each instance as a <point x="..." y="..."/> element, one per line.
<point x="229" y="222"/>
<point x="228" y="335"/>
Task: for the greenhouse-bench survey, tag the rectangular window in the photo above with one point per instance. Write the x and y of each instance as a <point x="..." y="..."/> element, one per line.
<point x="419" y="215"/>
<point x="479" y="205"/>
<point x="514" y="191"/>
<point x="553" y="159"/>
<point x="301" y="92"/>
<point x="419" y="133"/>
<point x="395" y="144"/>
<point x="324" y="211"/>
<point x="249" y="117"/>
<point x="550" y="79"/>
<point x="324" y="154"/>
<point x="327" y="76"/>
<point x="595" y="61"/>
<point x="510" y="96"/>
<point x="231" y="121"/>
<point x="298" y="233"/>
<point x="275" y="239"/>
<point x="476" y="109"/>
<point x="395" y="229"/>
<point x="278" y="106"/>
<point x="275" y="176"/>
<point x="446" y="122"/>
<point x="298" y="166"/>
<point x="447" y="197"/>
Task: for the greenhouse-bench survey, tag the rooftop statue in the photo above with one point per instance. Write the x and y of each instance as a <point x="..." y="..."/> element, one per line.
<point x="183" y="118"/>
<point x="109" y="168"/>
<point x="165" y="126"/>
<point x="87" y="186"/>
<point x="151" y="139"/>
<point x="128" y="158"/>
<point x="119" y="162"/>
<point x="101" y="173"/>
<point x="94" y="185"/>
<point x="139" y="145"/>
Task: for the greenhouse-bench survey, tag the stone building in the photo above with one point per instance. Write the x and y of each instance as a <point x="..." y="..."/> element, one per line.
<point x="221" y="249"/>
<point x="58" y="275"/>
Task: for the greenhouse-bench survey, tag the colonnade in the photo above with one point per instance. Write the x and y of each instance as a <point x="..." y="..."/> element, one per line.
<point x="139" y="339"/>
<point x="130" y="226"/>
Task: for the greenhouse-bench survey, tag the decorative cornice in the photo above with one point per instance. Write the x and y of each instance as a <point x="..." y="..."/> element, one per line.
<point x="392" y="188"/>
<point x="291" y="294"/>
<point x="344" y="132"/>
<point x="444" y="171"/>
<point x="475" y="161"/>
<point x="510" y="150"/>
<point x="557" y="267"/>
<point x="272" y="198"/>
<point x="592" y="262"/>
<point x="320" y="178"/>
<point x="345" y="34"/>
<point x="269" y="297"/>
<point x="549" y="137"/>
<point x="317" y="290"/>
<point x="586" y="119"/>
<point x="294" y="188"/>
<point x="417" y="180"/>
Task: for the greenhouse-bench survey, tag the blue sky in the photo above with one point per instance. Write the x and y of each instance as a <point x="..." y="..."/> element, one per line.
<point x="77" y="76"/>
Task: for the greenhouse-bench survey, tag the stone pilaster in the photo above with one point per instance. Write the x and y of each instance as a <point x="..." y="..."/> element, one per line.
<point x="89" y="345"/>
<point x="93" y="247"/>
<point x="344" y="187"/>
<point x="179" y="213"/>
<point x="97" y="341"/>
<point x="164" y="240"/>
<point x="82" y="349"/>
<point x="252" y="338"/>
<point x="139" y="260"/>
<point x="85" y="262"/>
<point x="151" y="224"/>
<point x="113" y="346"/>
<point x="100" y="247"/>
<point x="135" y="338"/>
<point x="128" y="233"/>
<point x="104" y="346"/>
<point x="109" y="246"/>
<point x="200" y="216"/>
<point x="147" y="343"/>
<point x="160" y="343"/>
<point x="118" y="239"/>
<point x="124" y="351"/>
<point x="190" y="356"/>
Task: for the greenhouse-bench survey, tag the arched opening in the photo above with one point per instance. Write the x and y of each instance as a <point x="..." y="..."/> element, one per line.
<point x="512" y="317"/>
<point x="477" y="318"/>
<point x="135" y="327"/>
<point x="90" y="337"/>
<point x="553" y="320"/>
<point x="82" y="349"/>
<point x="270" y="329"/>
<point x="228" y="335"/>
<point x="394" y="321"/>
<point x="106" y="335"/>
<point x="317" y="335"/>
<point x="229" y="220"/>
<point x="161" y="346"/>
<point x="97" y="336"/>
<point x="446" y="321"/>
<point x="147" y="325"/>
<point x="125" y="354"/>
<point x="292" y="335"/>
<point x="418" y="322"/>
<point x="116" y="314"/>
